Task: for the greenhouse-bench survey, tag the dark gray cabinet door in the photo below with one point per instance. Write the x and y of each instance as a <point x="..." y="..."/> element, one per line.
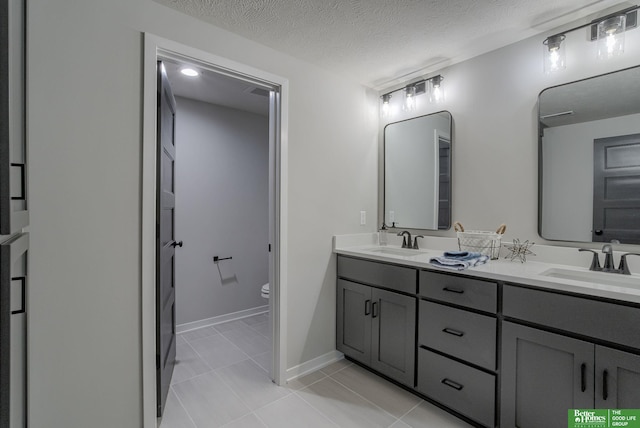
<point x="13" y="154"/>
<point x="13" y="332"/>
<point x="617" y="379"/>
<point x="543" y="376"/>
<point x="354" y="320"/>
<point x="393" y="335"/>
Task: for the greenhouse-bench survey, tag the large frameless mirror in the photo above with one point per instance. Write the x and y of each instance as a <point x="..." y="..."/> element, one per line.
<point x="589" y="159"/>
<point x="417" y="172"/>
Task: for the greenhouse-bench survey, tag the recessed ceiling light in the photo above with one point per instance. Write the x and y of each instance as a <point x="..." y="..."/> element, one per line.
<point x="189" y="72"/>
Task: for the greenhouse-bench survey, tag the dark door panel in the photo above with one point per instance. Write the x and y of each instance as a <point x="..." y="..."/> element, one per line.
<point x="165" y="250"/>
<point x="616" y="189"/>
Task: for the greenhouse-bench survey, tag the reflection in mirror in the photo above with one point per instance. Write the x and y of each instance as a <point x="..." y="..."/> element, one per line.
<point x="589" y="143"/>
<point x="417" y="172"/>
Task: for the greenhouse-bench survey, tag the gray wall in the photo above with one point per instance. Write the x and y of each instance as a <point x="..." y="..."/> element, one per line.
<point x="222" y="171"/>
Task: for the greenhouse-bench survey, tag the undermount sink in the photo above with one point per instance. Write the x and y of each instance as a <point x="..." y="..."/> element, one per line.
<point x="603" y="278"/>
<point x="397" y="251"/>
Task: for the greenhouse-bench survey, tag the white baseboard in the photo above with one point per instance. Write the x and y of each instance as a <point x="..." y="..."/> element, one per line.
<point x="314" y="364"/>
<point x="221" y="318"/>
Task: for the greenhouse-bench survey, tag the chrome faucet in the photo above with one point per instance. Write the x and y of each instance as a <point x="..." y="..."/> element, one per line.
<point x="406" y="240"/>
<point x="415" y="242"/>
<point x="609" y="265"/>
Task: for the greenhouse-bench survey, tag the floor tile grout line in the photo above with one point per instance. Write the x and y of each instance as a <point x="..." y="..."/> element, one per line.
<point x="359" y="395"/>
<point x="260" y="419"/>
<point x="199" y="374"/>
<point x="183" y="407"/>
<point x="314" y="407"/>
<point x="411" y="410"/>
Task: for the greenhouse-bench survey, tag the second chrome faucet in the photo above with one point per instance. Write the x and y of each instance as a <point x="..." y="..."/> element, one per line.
<point x="609" y="265"/>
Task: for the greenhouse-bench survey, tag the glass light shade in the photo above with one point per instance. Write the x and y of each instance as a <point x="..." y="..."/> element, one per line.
<point x="410" y="98"/>
<point x="553" y="51"/>
<point x="436" y="93"/>
<point x="386" y="108"/>
<point x="611" y="36"/>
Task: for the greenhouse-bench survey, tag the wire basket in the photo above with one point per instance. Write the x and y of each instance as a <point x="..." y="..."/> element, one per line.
<point x="479" y="241"/>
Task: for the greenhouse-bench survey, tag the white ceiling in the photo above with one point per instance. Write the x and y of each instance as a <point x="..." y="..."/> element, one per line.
<point x="380" y="43"/>
<point x="216" y="88"/>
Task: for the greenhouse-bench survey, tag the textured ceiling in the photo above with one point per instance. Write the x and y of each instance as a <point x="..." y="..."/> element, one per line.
<point x="216" y="88"/>
<point x="382" y="42"/>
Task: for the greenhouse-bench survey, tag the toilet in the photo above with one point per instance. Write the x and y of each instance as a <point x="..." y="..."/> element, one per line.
<point x="264" y="291"/>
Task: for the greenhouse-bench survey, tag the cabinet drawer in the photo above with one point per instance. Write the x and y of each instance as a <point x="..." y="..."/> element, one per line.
<point x="462" y="334"/>
<point x="458" y="386"/>
<point x="593" y="318"/>
<point x="374" y="273"/>
<point x="472" y="293"/>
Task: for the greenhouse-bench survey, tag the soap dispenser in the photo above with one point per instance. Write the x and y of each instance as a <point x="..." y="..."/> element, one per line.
<point x="382" y="234"/>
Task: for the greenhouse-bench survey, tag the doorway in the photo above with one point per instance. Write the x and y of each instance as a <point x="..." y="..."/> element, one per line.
<point x="159" y="49"/>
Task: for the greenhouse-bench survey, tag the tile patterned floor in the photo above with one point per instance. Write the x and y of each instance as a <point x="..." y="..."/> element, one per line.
<point x="221" y="380"/>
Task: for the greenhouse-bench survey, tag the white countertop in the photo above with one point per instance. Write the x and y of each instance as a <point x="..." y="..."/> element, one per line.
<point x="528" y="273"/>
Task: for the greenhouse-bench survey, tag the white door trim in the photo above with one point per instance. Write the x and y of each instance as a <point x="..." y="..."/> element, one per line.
<point x="155" y="46"/>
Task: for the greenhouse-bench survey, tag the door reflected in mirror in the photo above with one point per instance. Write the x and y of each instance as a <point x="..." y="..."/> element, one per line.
<point x="589" y="172"/>
<point x="417" y="172"/>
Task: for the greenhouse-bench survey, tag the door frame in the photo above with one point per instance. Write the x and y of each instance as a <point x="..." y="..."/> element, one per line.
<point x="156" y="47"/>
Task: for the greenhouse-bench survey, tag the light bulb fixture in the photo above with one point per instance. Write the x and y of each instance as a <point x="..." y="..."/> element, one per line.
<point x="409" y="98"/>
<point x="386" y="108"/>
<point x="187" y="71"/>
<point x="436" y="94"/>
<point x="608" y="31"/>
<point x="411" y="92"/>
<point x="611" y="36"/>
<point x="553" y="52"/>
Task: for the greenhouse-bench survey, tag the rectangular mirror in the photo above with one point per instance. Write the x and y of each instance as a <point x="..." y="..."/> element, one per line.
<point x="589" y="159"/>
<point x="417" y="172"/>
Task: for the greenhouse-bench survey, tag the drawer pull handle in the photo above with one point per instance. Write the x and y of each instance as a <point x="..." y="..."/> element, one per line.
<point x="453" y="332"/>
<point x="605" y="386"/>
<point x="583" y="377"/>
<point x="23" y="281"/>
<point x="453" y="290"/>
<point x="374" y="312"/>
<point x="452" y="384"/>
<point x="367" y="307"/>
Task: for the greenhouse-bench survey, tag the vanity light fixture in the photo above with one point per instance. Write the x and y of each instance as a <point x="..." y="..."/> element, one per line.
<point x="409" y="98"/>
<point x="386" y="108"/>
<point x="554" y="53"/>
<point x="611" y="36"/>
<point x="187" y="71"/>
<point x="411" y="91"/>
<point x="608" y="31"/>
<point x="436" y="94"/>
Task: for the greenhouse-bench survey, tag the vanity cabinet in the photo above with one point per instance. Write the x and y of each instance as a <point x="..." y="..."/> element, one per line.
<point x="457" y="332"/>
<point x="377" y="326"/>
<point x="546" y="373"/>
